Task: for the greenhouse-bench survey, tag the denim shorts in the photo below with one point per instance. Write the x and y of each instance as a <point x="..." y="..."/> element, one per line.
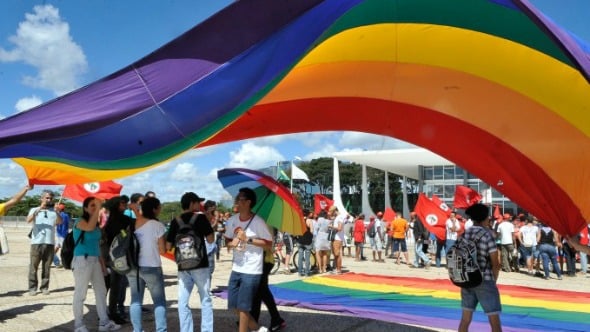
<point x="397" y="243"/>
<point x="486" y="294"/>
<point x="528" y="251"/>
<point x="241" y="290"/>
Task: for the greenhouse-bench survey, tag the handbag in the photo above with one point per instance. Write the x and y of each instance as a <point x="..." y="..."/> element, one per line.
<point x="332" y="234"/>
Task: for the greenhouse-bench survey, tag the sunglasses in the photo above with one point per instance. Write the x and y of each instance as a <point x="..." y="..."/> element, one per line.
<point x="45" y="214"/>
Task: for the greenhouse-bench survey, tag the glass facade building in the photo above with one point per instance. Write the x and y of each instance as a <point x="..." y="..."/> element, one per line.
<point x="441" y="181"/>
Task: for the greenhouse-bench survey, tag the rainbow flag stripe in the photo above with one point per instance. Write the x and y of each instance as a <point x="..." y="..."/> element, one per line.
<point x="434" y="303"/>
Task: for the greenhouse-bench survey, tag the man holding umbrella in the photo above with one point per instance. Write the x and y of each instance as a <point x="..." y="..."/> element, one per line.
<point x="248" y="234"/>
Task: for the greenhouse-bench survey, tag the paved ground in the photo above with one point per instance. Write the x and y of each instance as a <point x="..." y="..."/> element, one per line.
<point x="21" y="312"/>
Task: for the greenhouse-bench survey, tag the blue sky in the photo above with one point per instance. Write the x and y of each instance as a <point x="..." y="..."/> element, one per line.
<point x="48" y="48"/>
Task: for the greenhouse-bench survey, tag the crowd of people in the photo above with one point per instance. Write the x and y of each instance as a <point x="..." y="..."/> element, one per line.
<point x="519" y="244"/>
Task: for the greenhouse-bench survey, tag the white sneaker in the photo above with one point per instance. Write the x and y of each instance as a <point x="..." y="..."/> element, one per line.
<point x="81" y="329"/>
<point x="261" y="329"/>
<point x="110" y="326"/>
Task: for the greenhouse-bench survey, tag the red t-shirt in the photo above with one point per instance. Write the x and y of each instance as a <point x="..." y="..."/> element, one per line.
<point x="359" y="231"/>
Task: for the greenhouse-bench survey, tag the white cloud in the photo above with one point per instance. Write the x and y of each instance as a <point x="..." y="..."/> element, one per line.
<point x="26" y="103"/>
<point x="43" y="41"/>
<point x="251" y="155"/>
<point x="184" y="172"/>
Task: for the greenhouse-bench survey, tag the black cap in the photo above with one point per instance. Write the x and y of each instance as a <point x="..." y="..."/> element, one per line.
<point x="190" y="197"/>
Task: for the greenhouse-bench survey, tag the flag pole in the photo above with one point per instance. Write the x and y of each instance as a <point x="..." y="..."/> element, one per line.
<point x="291" y="176"/>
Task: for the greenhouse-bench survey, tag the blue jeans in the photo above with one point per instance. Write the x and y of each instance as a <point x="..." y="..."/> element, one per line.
<point x="548" y="252"/>
<point x="153" y="278"/>
<point x="440" y="246"/>
<point x="418" y="249"/>
<point x="583" y="262"/>
<point x="186" y="281"/>
<point x="304" y="250"/>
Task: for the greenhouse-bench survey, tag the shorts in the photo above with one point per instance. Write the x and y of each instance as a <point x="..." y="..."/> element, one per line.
<point x="399" y="242"/>
<point x="241" y="290"/>
<point x="486" y="294"/>
<point x="528" y="251"/>
<point x="336" y="247"/>
<point x="59" y="241"/>
<point x="376" y="243"/>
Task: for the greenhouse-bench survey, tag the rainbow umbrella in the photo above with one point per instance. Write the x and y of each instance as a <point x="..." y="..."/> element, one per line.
<point x="275" y="203"/>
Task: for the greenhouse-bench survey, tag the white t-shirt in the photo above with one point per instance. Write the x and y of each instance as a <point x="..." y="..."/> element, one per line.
<point x="248" y="261"/>
<point x="529" y="235"/>
<point x="468" y="224"/>
<point x="340" y="219"/>
<point x="506" y="229"/>
<point x="378" y="228"/>
<point x="452" y="235"/>
<point x="148" y="235"/>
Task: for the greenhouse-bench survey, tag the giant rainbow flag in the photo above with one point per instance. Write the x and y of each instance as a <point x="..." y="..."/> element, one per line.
<point x="435" y="303"/>
<point x="493" y="85"/>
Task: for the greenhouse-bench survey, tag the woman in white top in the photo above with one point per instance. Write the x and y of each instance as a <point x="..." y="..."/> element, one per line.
<point x="322" y="245"/>
<point x="150" y="235"/>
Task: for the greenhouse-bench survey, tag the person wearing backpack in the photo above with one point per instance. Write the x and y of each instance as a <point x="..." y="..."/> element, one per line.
<point x="88" y="267"/>
<point x="116" y="221"/>
<point x="196" y="228"/>
<point x="487" y="293"/>
<point x="150" y="236"/>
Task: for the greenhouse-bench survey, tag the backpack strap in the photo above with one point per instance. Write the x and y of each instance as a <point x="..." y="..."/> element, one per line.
<point x="135" y="249"/>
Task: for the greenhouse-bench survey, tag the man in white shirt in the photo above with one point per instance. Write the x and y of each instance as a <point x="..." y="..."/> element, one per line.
<point x="507" y="238"/>
<point x="528" y="239"/>
<point x="453" y="226"/>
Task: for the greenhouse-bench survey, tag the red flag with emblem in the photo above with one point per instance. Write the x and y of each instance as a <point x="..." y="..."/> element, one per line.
<point x="442" y="205"/>
<point x="321" y="202"/>
<point x="465" y="197"/>
<point x="79" y="192"/>
<point x="433" y="218"/>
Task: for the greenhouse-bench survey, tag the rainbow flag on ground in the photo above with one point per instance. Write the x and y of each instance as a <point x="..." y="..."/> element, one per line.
<point x="434" y="303"/>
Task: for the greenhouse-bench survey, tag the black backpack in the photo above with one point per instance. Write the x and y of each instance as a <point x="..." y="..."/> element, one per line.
<point x="67" y="249"/>
<point x="124" y="251"/>
<point x="189" y="249"/>
<point x="464" y="271"/>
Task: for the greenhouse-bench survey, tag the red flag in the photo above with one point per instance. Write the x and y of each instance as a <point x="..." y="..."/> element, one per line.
<point x="465" y="197"/>
<point x="321" y="202"/>
<point x="389" y="214"/>
<point x="442" y="205"/>
<point x="79" y="192"/>
<point x="497" y="214"/>
<point x="433" y="218"/>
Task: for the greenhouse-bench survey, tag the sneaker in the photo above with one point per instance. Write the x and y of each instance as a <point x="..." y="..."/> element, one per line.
<point x="46" y="292"/>
<point x="261" y="329"/>
<point x="281" y="324"/>
<point x="32" y="292"/>
<point x="118" y="319"/>
<point x="110" y="326"/>
<point x="560" y="278"/>
<point x="81" y="329"/>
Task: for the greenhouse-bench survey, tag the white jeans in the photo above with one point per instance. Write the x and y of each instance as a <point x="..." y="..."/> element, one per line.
<point x="88" y="270"/>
